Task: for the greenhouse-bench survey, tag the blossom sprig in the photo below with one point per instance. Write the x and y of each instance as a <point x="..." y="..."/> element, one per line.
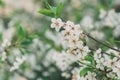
<point x="70" y="30"/>
<point x="72" y="35"/>
<point x="105" y="64"/>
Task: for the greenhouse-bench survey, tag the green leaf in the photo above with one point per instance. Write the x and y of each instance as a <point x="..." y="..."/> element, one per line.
<point x="24" y="51"/>
<point x="112" y="40"/>
<point x="110" y="3"/>
<point x="47" y="12"/>
<point x="26" y="42"/>
<point x="84" y="71"/>
<point x="2" y="3"/>
<point x="117" y="41"/>
<point x="48" y="5"/>
<point x="89" y="58"/>
<point x="53" y="9"/>
<point x="1" y="36"/>
<point x="59" y="9"/>
<point x="20" y="31"/>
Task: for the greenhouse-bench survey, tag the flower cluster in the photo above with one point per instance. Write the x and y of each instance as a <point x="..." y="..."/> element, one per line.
<point x="105" y="63"/>
<point x="72" y="35"/>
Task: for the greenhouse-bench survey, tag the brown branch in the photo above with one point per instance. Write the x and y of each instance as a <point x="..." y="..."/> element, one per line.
<point x="101" y="43"/>
<point x="21" y="74"/>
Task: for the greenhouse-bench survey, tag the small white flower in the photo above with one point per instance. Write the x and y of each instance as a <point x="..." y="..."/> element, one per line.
<point x="111" y="75"/>
<point x="56" y="23"/>
<point x="83" y="49"/>
<point x="91" y="76"/>
<point x="75" y="74"/>
<point x="5" y="43"/>
<point x="110" y="51"/>
<point x="67" y="33"/>
<point x="73" y="41"/>
<point x="76" y="30"/>
<point x="111" y="63"/>
<point x="100" y="63"/>
<point x="86" y="49"/>
<point x="116" y="70"/>
<point x="69" y="23"/>
<point x="80" y="44"/>
<point x="97" y="54"/>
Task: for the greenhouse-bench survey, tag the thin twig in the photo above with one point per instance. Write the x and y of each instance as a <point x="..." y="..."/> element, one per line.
<point x="101" y="43"/>
<point x="21" y="74"/>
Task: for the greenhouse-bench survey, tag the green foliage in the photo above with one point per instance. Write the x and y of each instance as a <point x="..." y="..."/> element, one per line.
<point x="59" y="9"/>
<point x="107" y="3"/>
<point x="52" y="11"/>
<point x="110" y="3"/>
<point x="110" y="42"/>
<point x="112" y="55"/>
<point x="2" y="3"/>
<point x="1" y="36"/>
<point x="47" y="12"/>
<point x="84" y="71"/>
<point x="20" y="31"/>
<point x="26" y="41"/>
<point x="90" y="59"/>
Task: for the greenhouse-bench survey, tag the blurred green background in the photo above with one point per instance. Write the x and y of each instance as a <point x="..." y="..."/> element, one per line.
<point x="30" y="34"/>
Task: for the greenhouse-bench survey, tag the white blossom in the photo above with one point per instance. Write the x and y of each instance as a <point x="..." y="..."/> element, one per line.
<point x="97" y="54"/>
<point x="111" y="63"/>
<point x="91" y="76"/>
<point x="56" y="23"/>
<point x="100" y="63"/>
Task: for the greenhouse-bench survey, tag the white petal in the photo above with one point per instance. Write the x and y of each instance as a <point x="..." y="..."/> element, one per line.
<point x="59" y="20"/>
<point x="53" y="20"/>
<point x="52" y="26"/>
